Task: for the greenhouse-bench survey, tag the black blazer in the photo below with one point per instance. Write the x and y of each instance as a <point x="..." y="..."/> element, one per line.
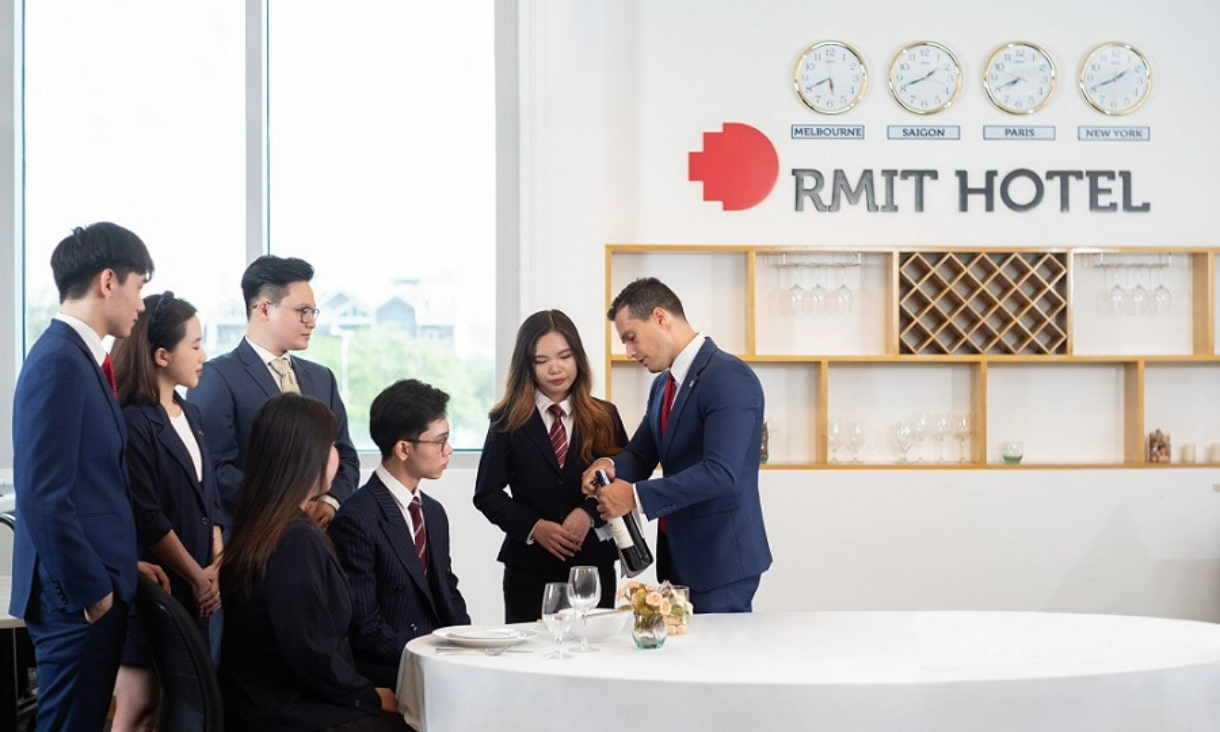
<point x="286" y="661"/>
<point x="233" y="387"/>
<point x="165" y="494"/>
<point x="524" y="461"/>
<point x="393" y="601"/>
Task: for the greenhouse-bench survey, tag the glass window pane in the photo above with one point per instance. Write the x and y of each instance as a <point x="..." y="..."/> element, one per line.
<point x="135" y="114"/>
<point x="382" y="175"/>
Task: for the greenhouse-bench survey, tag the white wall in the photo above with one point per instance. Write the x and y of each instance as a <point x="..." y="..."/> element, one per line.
<point x="615" y="94"/>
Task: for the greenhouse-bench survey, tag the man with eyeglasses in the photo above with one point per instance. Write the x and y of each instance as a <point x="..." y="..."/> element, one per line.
<point x="393" y="540"/>
<point x="281" y="314"/>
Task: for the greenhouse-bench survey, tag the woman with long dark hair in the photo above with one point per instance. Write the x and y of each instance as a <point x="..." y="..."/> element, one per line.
<point x="286" y="661"/>
<point x="173" y="489"/>
<point x="544" y="432"/>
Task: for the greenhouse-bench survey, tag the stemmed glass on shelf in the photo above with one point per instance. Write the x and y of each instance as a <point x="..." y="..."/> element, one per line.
<point x="834" y="439"/>
<point x="557" y="614"/>
<point x="855" y="438"/>
<point x="940" y="430"/>
<point x="961" y="431"/>
<point x="584" y="590"/>
<point x="1161" y="297"/>
<point x="919" y="425"/>
<point x="904" y="437"/>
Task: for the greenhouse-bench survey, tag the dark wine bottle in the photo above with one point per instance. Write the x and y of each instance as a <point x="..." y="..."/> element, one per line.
<point x="632" y="549"/>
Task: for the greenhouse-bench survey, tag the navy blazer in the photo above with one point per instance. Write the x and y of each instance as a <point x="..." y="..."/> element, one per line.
<point x="75" y="534"/>
<point x="393" y="601"/>
<point x="233" y="387"/>
<point x="709" y="495"/>
<point x="286" y="660"/>
<point x="166" y="495"/>
<point x="525" y="462"/>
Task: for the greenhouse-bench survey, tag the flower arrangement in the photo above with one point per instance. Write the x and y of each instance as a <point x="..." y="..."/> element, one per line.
<point x="656" y="603"/>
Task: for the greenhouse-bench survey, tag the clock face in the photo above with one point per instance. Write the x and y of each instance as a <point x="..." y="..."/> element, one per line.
<point x="1019" y="78"/>
<point x="925" y="78"/>
<point x="830" y="77"/>
<point x="1115" y="79"/>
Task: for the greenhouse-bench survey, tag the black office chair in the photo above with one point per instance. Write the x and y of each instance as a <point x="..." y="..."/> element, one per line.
<point x="190" y="692"/>
<point x="18" y="675"/>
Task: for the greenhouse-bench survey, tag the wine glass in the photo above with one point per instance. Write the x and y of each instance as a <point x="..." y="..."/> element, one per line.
<point x="940" y="429"/>
<point x="796" y="293"/>
<point x="842" y="294"/>
<point x="1161" y="297"/>
<point x="817" y="296"/>
<point x="961" y="431"/>
<point x="904" y="437"/>
<point x="584" y="590"/>
<point x="834" y="437"/>
<point x="919" y="425"/>
<point x="557" y="614"/>
<point x="1137" y="299"/>
<point x="1112" y="299"/>
<point x="855" y="438"/>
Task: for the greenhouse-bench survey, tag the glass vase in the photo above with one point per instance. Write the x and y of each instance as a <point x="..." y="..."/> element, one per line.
<point x="649" y="631"/>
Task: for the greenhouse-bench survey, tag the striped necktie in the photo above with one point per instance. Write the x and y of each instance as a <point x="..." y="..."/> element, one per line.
<point x="420" y="531"/>
<point x="559" y="435"/>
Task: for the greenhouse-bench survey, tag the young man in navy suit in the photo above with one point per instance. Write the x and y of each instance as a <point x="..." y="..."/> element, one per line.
<point x="74" y="556"/>
<point x="281" y="314"/>
<point x="393" y="540"/>
<point x="704" y="425"/>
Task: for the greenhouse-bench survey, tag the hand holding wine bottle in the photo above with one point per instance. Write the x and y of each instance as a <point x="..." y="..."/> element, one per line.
<point x="632" y="549"/>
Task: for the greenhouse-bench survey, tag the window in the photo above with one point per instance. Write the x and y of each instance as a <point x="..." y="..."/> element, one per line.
<point x="134" y="113"/>
<point x="382" y="175"/>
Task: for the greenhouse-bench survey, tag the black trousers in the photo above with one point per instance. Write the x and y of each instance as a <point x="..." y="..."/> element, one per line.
<point x="523" y="589"/>
<point x="380" y="723"/>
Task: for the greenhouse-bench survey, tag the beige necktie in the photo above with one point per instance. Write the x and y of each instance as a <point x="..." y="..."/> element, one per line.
<point x="288" y="380"/>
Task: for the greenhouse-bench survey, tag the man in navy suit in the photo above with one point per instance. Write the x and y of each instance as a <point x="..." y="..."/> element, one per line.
<point x="704" y="425"/>
<point x="281" y="314"/>
<point x="392" y="540"/>
<point x="74" y="556"/>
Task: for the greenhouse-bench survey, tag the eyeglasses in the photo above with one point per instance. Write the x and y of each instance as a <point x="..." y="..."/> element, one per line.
<point x="443" y="441"/>
<point x="307" y="314"/>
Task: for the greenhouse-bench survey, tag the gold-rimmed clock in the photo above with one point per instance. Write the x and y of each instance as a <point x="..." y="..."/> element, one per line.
<point x="830" y="77"/>
<point x="1019" y="77"/>
<point x="1115" y="78"/>
<point x="925" y="77"/>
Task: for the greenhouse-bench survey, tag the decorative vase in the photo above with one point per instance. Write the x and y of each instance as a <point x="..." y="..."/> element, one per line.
<point x="649" y="631"/>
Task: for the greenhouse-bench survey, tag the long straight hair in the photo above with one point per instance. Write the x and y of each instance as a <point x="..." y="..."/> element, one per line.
<point x="592" y="420"/>
<point x="290" y="443"/>
<point x="161" y="325"/>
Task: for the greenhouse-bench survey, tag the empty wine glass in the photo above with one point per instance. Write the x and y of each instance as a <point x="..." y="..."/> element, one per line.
<point x="796" y="294"/>
<point x="1112" y="300"/>
<point x="855" y="438"/>
<point x="940" y="429"/>
<point x="816" y="302"/>
<point x="919" y="425"/>
<point x="904" y="437"/>
<point x="584" y="590"/>
<point x="1137" y="299"/>
<point x="557" y="614"/>
<point x="1161" y="297"/>
<point x="842" y="294"/>
<point x="961" y="431"/>
<point x="834" y="437"/>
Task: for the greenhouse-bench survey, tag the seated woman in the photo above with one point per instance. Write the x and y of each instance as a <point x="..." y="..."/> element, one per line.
<point x="286" y="661"/>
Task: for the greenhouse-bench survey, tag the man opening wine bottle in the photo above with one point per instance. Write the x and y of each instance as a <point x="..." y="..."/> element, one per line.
<point x="703" y="424"/>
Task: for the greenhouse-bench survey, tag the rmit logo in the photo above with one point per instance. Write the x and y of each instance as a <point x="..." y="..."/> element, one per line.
<point x="738" y="166"/>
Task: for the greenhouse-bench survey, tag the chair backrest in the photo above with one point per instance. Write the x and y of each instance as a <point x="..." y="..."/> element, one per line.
<point x="8" y="520"/>
<point x="190" y="698"/>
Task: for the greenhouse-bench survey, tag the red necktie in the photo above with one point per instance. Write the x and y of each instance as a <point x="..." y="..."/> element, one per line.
<point x="667" y="401"/>
<point x="559" y="435"/>
<point x="420" y="531"/>
<point x="108" y="371"/>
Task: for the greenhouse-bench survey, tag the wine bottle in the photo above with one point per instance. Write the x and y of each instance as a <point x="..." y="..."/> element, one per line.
<point x="632" y="549"/>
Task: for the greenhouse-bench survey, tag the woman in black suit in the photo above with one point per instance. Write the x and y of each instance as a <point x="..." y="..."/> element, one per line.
<point x="544" y="432"/>
<point x="286" y="661"/>
<point x="173" y="490"/>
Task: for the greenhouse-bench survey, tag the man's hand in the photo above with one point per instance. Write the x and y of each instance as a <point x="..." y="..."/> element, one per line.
<point x="153" y="573"/>
<point x="389" y="704"/>
<point x="616" y="499"/>
<point x="588" y="481"/>
<point x="322" y="513"/>
<point x="94" y="612"/>
<point x="557" y="539"/>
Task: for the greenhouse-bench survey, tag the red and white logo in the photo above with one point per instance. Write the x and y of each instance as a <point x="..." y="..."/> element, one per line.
<point x="738" y="166"/>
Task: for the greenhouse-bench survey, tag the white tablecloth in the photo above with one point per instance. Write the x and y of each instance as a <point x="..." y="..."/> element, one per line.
<point x="841" y="671"/>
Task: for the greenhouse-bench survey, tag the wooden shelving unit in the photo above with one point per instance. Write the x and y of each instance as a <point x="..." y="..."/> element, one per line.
<point x="1016" y="339"/>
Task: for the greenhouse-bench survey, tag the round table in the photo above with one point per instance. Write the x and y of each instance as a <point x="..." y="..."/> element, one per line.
<point x="843" y="671"/>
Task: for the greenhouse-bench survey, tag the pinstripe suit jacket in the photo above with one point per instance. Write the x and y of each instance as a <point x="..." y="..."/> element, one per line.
<point x="392" y="600"/>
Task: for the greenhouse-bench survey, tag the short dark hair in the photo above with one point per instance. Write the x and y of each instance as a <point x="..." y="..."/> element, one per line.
<point x="403" y="411"/>
<point x="269" y="277"/>
<point x="643" y="296"/>
<point x="79" y="258"/>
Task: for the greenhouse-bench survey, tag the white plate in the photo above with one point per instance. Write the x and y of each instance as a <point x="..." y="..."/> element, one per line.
<point x="481" y="636"/>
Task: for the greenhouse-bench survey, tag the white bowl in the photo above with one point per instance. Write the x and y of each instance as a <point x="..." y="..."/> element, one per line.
<point x="602" y="624"/>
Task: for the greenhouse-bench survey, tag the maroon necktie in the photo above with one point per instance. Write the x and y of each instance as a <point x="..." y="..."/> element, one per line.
<point x="559" y="436"/>
<point x="667" y="401"/>
<point x="108" y="371"/>
<point x="421" y="532"/>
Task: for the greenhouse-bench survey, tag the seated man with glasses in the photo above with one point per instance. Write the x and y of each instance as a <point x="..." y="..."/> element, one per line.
<point x="392" y="540"/>
<point x="280" y="317"/>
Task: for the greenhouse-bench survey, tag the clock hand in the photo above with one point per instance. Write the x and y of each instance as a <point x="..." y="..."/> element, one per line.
<point x="823" y="81"/>
<point x="916" y="81"/>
